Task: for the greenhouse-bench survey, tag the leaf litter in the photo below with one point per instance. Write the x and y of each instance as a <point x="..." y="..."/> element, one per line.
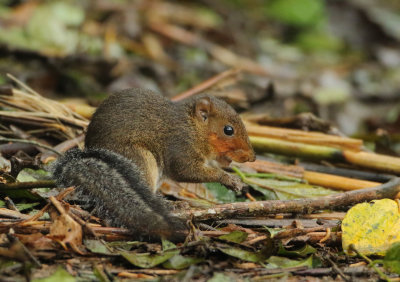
<point x="257" y="245"/>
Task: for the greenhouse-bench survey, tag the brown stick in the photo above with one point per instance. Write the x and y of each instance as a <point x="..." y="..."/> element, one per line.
<point x="28" y="185"/>
<point x="206" y="84"/>
<point x="31" y="142"/>
<point x="260" y="208"/>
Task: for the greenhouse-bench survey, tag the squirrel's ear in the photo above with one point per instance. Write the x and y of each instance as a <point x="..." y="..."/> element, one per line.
<point x="203" y="108"/>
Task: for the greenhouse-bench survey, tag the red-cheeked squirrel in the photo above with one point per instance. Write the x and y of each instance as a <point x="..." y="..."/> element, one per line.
<point x="135" y="138"/>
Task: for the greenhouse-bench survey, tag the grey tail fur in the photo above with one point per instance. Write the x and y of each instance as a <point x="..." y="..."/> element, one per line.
<point x="120" y="195"/>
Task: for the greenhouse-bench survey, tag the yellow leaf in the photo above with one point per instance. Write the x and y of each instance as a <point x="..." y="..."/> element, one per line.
<point x="371" y="227"/>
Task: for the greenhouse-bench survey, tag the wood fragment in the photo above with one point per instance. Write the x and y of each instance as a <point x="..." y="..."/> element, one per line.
<point x="12" y="214"/>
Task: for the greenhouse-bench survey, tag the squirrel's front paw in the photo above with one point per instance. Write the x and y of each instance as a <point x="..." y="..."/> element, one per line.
<point x="235" y="183"/>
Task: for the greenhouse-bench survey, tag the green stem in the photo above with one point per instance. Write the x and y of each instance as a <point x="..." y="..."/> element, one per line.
<point x="370" y="263"/>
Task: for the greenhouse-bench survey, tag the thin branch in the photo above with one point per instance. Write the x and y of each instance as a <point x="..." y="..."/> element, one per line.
<point x="262" y="208"/>
<point x="31" y="142"/>
<point x="206" y="84"/>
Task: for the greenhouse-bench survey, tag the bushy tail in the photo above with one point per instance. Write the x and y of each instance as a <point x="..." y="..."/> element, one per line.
<point x="120" y="195"/>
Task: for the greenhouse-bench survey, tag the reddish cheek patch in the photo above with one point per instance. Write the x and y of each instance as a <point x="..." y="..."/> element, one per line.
<point x="234" y="148"/>
<point x="222" y="146"/>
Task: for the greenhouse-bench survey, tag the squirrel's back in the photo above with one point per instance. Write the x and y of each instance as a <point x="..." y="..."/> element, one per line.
<point x="131" y="117"/>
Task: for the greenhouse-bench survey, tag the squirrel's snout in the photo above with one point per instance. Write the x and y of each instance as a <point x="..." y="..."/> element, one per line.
<point x="243" y="156"/>
<point x="252" y="157"/>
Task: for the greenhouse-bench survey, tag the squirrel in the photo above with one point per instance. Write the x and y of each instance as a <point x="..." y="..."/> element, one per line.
<point x="135" y="138"/>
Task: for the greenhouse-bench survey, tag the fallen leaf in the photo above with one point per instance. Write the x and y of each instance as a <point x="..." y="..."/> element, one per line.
<point x="371" y="227"/>
<point x="60" y="275"/>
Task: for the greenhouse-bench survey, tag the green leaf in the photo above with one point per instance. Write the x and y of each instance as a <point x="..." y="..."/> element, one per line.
<point x="235" y="236"/>
<point x="181" y="262"/>
<point x="273" y="231"/>
<point x="302" y="252"/>
<point x="317" y="40"/>
<point x="220" y="277"/>
<point x="299" y="13"/>
<point x="282" y="262"/>
<point x="60" y="275"/>
<point x="100" y="275"/>
<point x="146" y="260"/>
<point x="392" y="258"/>
<point x="95" y="246"/>
<point x="124" y="245"/>
<point x="22" y="207"/>
<point x="221" y="193"/>
<point x="167" y="245"/>
<point x="243" y="254"/>
<point x="286" y="190"/>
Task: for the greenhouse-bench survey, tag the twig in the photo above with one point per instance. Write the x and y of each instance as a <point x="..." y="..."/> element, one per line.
<point x="23" y="85"/>
<point x="19" y="249"/>
<point x="297" y="232"/>
<point x="31" y="142"/>
<point x="338" y="270"/>
<point x="28" y="185"/>
<point x="206" y="84"/>
<point x="262" y="208"/>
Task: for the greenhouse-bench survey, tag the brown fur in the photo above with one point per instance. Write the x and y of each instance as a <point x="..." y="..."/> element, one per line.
<point x="180" y="140"/>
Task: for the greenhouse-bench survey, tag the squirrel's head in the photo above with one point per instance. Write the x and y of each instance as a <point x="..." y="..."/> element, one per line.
<point x="224" y="130"/>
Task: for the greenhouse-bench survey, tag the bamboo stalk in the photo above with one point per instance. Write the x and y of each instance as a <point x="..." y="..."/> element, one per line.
<point x="316" y="138"/>
<point x="374" y="161"/>
<point x="279" y="146"/>
<point x="362" y="159"/>
<point x="337" y="182"/>
<point x="316" y="178"/>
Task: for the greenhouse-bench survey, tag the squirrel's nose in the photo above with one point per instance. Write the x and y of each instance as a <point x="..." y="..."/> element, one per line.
<point x="245" y="156"/>
<point x="252" y="157"/>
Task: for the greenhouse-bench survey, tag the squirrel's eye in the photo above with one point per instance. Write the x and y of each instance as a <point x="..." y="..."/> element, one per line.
<point x="228" y="130"/>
